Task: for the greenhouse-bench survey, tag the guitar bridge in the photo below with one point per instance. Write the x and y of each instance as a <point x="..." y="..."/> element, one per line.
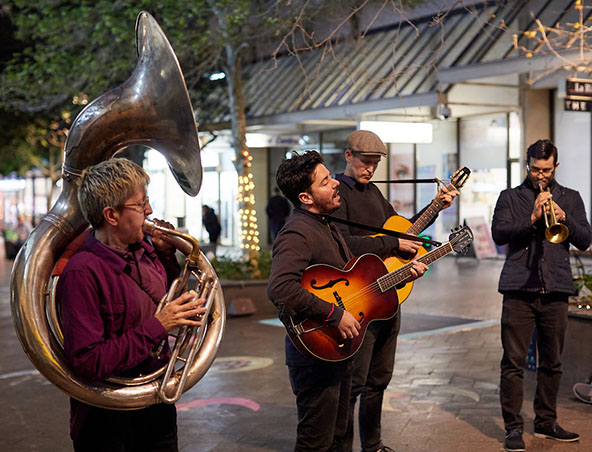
<point x="298" y="329"/>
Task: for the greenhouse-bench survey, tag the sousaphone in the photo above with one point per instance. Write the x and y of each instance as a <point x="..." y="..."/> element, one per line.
<point x="152" y="108"/>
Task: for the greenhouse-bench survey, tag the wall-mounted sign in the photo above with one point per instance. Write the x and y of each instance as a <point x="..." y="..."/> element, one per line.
<point x="263" y="140"/>
<point x="578" y="95"/>
<point x="577" y="104"/>
<point x="578" y="87"/>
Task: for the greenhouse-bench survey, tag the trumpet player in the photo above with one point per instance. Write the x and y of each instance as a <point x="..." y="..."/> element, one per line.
<point x="538" y="221"/>
<point x="109" y="292"/>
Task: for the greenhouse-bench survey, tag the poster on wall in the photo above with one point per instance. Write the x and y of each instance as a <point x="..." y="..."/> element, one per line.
<point x="401" y="167"/>
<point x="483" y="243"/>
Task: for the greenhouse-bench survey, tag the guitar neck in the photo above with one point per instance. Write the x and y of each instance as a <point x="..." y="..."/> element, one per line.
<point x="402" y="274"/>
<point x="428" y="215"/>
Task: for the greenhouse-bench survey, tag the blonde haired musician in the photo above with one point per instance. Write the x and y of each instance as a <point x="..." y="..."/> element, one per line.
<point x="109" y="292"/>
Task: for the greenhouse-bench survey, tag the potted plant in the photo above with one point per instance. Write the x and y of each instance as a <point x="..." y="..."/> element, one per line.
<point x="245" y="279"/>
<point x="583" y="285"/>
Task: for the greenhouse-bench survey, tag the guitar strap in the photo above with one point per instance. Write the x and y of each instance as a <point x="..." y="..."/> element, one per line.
<point x="345" y="251"/>
<point x="397" y="234"/>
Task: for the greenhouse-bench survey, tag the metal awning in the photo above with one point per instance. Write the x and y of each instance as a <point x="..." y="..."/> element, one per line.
<point x="401" y="66"/>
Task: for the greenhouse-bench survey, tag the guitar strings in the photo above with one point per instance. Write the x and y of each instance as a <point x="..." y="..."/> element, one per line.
<point x="392" y="277"/>
<point x="352" y="300"/>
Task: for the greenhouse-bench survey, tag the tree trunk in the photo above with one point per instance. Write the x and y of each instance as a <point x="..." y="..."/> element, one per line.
<point x="246" y="197"/>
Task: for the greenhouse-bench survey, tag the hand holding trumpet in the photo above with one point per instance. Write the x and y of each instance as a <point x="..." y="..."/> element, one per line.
<point x="542" y="202"/>
<point x="545" y="207"/>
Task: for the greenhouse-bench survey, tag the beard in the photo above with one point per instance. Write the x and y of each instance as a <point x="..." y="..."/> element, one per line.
<point x="329" y="206"/>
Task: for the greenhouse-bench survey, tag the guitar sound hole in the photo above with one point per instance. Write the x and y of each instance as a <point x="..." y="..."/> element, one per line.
<point x="331" y="283"/>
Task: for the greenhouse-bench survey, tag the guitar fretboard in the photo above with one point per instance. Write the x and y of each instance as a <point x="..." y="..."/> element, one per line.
<point x="430" y="213"/>
<point x="402" y="274"/>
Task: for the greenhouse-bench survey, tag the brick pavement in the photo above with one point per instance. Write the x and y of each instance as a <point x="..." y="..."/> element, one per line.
<point x="443" y="395"/>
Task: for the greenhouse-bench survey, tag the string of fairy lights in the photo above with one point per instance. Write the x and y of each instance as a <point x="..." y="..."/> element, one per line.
<point x="247" y="212"/>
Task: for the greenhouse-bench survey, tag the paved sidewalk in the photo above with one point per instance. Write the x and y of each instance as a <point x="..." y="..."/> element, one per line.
<point x="443" y="395"/>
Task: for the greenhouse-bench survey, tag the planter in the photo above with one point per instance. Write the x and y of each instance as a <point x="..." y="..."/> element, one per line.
<point x="578" y="343"/>
<point x="237" y="291"/>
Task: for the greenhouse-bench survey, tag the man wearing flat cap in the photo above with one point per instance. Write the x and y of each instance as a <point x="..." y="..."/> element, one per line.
<point x="362" y="202"/>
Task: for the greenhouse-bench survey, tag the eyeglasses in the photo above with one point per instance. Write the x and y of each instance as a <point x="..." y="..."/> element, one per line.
<point x="536" y="171"/>
<point x="141" y="205"/>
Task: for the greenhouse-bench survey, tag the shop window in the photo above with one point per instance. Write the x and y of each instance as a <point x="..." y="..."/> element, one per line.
<point x="484" y="150"/>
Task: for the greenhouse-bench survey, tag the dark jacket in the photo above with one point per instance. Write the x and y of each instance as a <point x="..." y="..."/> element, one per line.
<point x="108" y="303"/>
<point x="533" y="263"/>
<point x="212" y="225"/>
<point x="364" y="203"/>
<point x="278" y="209"/>
<point x="305" y="240"/>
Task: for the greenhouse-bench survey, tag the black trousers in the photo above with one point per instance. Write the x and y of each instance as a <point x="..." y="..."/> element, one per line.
<point x="322" y="399"/>
<point x="373" y="369"/>
<point x="151" y="429"/>
<point x="520" y="314"/>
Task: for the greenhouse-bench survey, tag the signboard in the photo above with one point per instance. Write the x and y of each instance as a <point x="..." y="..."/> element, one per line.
<point x="483" y="243"/>
<point x="262" y="140"/>
<point x="579" y="95"/>
<point x="578" y="87"/>
<point x="577" y="104"/>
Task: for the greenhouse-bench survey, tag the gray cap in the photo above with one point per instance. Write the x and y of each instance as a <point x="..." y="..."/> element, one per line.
<point x="366" y="143"/>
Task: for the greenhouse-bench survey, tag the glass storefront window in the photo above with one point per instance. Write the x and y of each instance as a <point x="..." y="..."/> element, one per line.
<point x="333" y="144"/>
<point x="484" y="150"/>
<point x="438" y="159"/>
<point x="515" y="148"/>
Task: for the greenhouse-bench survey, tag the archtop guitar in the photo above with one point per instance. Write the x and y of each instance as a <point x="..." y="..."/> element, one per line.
<point x="366" y="289"/>
<point x="398" y="223"/>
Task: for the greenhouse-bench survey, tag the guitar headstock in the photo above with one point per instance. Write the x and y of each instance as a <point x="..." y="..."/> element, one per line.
<point x="461" y="238"/>
<point x="460" y="177"/>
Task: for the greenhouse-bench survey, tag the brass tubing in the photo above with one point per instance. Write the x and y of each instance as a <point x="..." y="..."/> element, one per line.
<point x="556" y="232"/>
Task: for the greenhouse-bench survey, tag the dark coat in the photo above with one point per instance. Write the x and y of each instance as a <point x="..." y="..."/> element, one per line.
<point x="365" y="204"/>
<point x="278" y="209"/>
<point x="212" y="225"/>
<point x="305" y="240"/>
<point x="533" y="263"/>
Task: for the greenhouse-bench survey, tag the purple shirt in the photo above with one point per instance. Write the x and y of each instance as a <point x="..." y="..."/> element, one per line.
<point x="108" y="299"/>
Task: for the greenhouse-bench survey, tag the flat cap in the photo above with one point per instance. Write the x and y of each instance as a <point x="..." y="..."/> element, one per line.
<point x="366" y="143"/>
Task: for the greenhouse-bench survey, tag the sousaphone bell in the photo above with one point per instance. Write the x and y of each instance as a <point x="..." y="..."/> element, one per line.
<point x="152" y="108"/>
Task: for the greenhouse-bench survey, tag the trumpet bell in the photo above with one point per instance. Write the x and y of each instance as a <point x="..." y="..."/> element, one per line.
<point x="556" y="233"/>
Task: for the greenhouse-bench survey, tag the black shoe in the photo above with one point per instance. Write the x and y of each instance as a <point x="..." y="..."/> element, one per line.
<point x="385" y="449"/>
<point x="557" y="433"/>
<point x="514" y="441"/>
<point x="583" y="392"/>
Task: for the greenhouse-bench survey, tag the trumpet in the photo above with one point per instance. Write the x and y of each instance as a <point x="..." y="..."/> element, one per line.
<point x="556" y="232"/>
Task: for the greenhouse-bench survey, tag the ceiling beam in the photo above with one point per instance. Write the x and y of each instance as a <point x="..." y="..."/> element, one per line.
<point x="520" y="65"/>
<point x="349" y="111"/>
